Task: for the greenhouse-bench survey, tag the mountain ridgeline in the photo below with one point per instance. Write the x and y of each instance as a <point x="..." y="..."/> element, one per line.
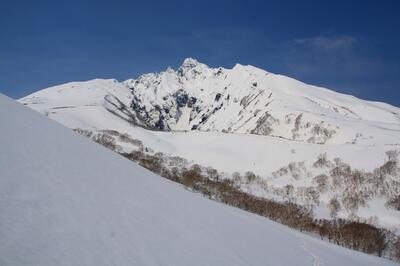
<point x="246" y="99"/>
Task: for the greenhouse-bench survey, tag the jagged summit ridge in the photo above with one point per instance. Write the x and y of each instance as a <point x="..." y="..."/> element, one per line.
<point x="246" y="99"/>
<point x="189" y="63"/>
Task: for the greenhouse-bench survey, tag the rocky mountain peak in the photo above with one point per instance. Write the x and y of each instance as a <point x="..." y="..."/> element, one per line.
<point x="190" y="63"/>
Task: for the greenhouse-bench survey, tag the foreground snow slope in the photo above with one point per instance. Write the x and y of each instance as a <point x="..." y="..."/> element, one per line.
<point x="67" y="201"/>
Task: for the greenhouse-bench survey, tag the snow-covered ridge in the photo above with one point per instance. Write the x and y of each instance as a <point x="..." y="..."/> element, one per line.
<point x="67" y="201"/>
<point x="244" y="99"/>
<point x="261" y="122"/>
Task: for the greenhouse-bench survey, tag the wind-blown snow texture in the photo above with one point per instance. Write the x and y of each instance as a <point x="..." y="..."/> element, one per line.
<point x="272" y="120"/>
<point x="67" y="201"/>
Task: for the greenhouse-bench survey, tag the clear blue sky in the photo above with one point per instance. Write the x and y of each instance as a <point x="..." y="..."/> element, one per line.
<point x="349" y="46"/>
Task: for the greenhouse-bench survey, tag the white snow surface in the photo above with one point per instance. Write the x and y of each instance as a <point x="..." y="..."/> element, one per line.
<point x="361" y="131"/>
<point x="65" y="200"/>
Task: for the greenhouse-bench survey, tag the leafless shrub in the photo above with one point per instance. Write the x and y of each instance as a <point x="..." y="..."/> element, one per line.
<point x="264" y="125"/>
<point x="281" y="172"/>
<point x="394" y="202"/>
<point x="334" y="207"/>
<point x="127" y="139"/>
<point x="296" y="127"/>
<point x="177" y="161"/>
<point x="236" y="177"/>
<point x="106" y="140"/>
<point x="212" y="173"/>
<point x="339" y="173"/>
<point x="111" y="132"/>
<point x="261" y="182"/>
<point x="393" y="155"/>
<point x="249" y="177"/>
<point x="311" y="196"/>
<point x="322" y="182"/>
<point x="288" y="192"/>
<point x="322" y="161"/>
<point x="384" y="177"/>
<point x="352" y="200"/>
<point x="192" y="176"/>
<point x="388" y="168"/>
<point x="320" y="134"/>
<point x="83" y="132"/>
<point x="296" y="170"/>
<point x="396" y="249"/>
<point x="354" y="178"/>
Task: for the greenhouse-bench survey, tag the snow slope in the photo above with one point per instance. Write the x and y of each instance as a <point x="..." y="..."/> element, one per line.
<point x="236" y="120"/>
<point x="67" y="201"/>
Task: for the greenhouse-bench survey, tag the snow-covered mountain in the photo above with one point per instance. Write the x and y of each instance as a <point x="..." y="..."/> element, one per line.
<point x="67" y="201"/>
<point x="243" y="99"/>
<point x="246" y="119"/>
<point x="246" y="99"/>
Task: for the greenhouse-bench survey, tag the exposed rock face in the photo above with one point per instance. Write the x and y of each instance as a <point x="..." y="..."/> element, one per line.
<point x="243" y="99"/>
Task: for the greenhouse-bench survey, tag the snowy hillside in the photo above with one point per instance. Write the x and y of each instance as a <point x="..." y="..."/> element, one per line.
<point x="68" y="201"/>
<point x="246" y="119"/>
